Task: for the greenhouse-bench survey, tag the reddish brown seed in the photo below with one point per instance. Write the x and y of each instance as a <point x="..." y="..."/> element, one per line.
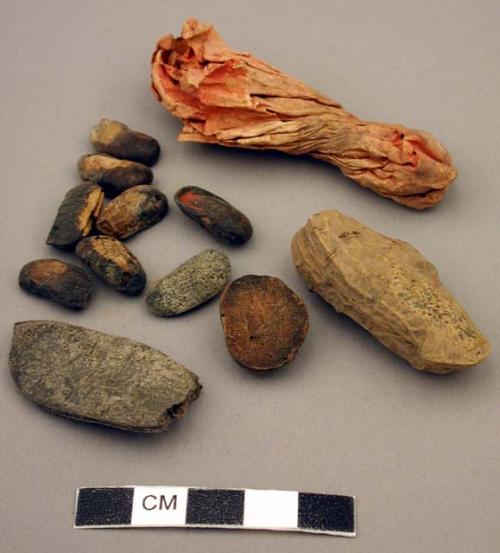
<point x="214" y="214"/>
<point x="113" y="262"/>
<point x="57" y="281"/>
<point x="264" y="322"/>
<point x="76" y="215"/>
<point x="114" y="175"/>
<point x="136" y="209"/>
<point x="116" y="139"/>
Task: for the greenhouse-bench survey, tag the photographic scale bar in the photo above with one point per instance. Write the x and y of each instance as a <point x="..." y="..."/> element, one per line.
<point x="185" y="507"/>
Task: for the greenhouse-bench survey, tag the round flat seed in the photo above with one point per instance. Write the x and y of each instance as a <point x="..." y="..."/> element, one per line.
<point x="114" y="175"/>
<point x="113" y="262"/>
<point x="133" y="211"/>
<point x="264" y="322"/>
<point x="76" y="215"/>
<point x="214" y="214"/>
<point x="193" y="283"/>
<point x="57" y="281"/>
<point x="116" y="139"/>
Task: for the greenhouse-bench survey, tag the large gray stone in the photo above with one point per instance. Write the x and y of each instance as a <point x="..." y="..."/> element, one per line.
<point x="88" y="375"/>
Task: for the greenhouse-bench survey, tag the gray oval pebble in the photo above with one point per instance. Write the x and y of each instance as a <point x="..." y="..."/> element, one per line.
<point x="193" y="283"/>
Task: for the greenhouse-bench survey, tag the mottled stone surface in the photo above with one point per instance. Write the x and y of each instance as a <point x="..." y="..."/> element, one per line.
<point x="133" y="211"/>
<point x="57" y="281"/>
<point x="113" y="262"/>
<point x="95" y="377"/>
<point x="116" y="139"/>
<point x="114" y="175"/>
<point x="76" y="215"/>
<point x="214" y="214"/>
<point x="390" y="289"/>
<point x="264" y="322"/>
<point x="191" y="284"/>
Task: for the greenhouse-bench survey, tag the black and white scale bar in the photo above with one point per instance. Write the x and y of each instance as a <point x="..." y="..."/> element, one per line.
<point x="173" y="506"/>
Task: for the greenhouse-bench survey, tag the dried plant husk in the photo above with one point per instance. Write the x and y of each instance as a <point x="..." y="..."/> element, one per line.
<point x="234" y="99"/>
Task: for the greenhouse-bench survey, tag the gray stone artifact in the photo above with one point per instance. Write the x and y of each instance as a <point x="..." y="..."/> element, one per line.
<point x="95" y="377"/>
<point x="390" y="289"/>
<point x="191" y="284"/>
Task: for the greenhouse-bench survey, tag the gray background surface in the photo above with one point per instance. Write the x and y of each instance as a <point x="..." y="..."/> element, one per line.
<point x="421" y="452"/>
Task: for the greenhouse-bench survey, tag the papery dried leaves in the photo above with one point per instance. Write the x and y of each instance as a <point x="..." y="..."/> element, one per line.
<point x="234" y="99"/>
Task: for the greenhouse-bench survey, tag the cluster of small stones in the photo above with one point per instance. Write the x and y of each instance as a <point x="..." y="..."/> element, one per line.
<point x="135" y="387"/>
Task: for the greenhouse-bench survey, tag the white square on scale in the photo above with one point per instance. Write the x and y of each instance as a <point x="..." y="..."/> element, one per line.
<point x="159" y="506"/>
<point x="271" y="509"/>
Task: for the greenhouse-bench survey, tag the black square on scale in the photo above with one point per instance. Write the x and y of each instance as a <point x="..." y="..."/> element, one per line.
<point x="217" y="507"/>
<point x="334" y="513"/>
<point x="104" y="506"/>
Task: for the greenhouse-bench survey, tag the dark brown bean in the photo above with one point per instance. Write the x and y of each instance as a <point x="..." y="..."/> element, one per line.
<point x="264" y="322"/>
<point x="116" y="139"/>
<point x="114" y="175"/>
<point x="136" y="209"/>
<point x="214" y="214"/>
<point x="57" y="281"/>
<point x="114" y="263"/>
<point x="76" y="215"/>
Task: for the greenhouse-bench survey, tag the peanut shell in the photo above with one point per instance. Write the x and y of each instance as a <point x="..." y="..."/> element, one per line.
<point x="390" y="289"/>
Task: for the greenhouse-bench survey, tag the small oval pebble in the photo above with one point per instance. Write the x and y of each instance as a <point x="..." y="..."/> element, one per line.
<point x="57" y="281"/>
<point x="193" y="283"/>
<point x="264" y="322"/>
<point x="113" y="262"/>
<point x="76" y="215"/>
<point x="136" y="209"/>
<point x="116" y="139"/>
<point x="114" y="175"/>
<point x="214" y="214"/>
